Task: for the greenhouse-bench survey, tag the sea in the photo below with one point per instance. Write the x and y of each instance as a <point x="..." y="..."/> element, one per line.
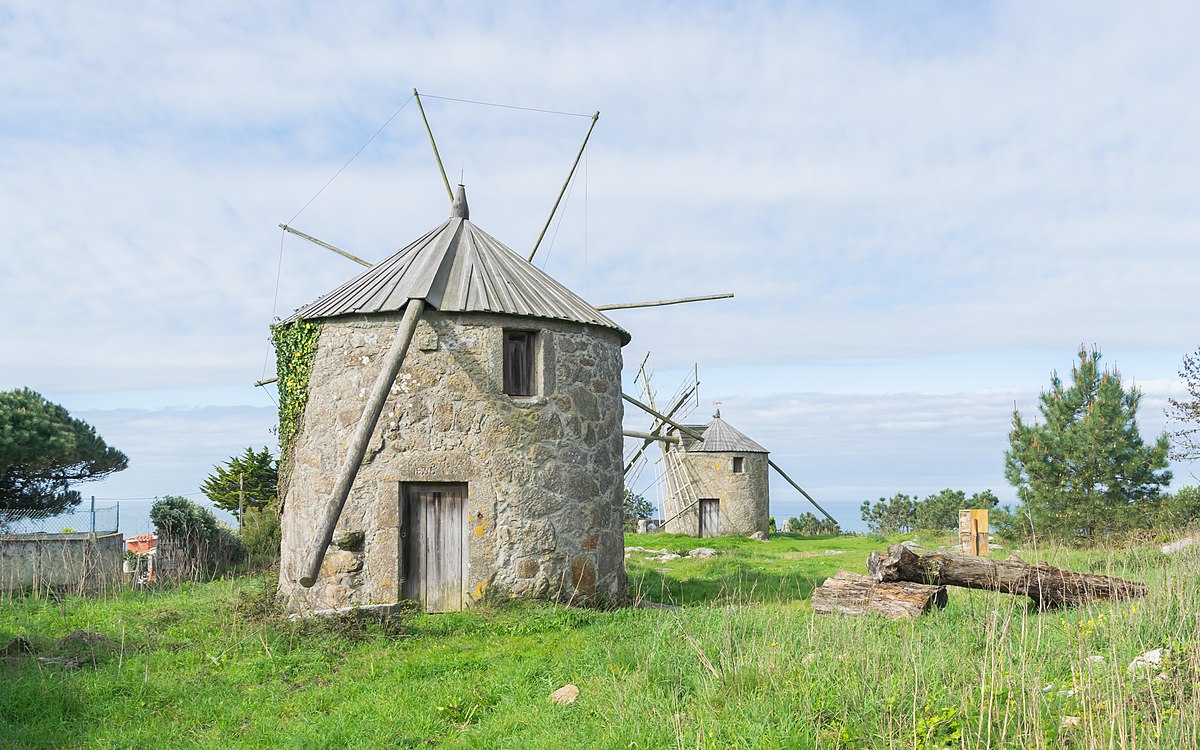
<point x="132" y="517"/>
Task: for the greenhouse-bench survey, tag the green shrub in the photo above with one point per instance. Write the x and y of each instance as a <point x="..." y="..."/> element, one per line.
<point x="261" y="535"/>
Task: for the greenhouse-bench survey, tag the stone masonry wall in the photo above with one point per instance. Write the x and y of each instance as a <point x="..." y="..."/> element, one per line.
<point x="544" y="473"/>
<point x="745" y="497"/>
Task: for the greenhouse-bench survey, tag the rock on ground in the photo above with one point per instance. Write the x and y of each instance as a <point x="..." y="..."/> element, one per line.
<point x="703" y="552"/>
<point x="1179" y="545"/>
<point x="565" y="695"/>
<point x="1149" y="660"/>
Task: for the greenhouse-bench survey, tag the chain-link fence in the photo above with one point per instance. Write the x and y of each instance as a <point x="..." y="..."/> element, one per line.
<point x="87" y="518"/>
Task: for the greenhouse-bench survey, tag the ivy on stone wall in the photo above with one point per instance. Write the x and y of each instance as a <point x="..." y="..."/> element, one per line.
<point x="295" y="349"/>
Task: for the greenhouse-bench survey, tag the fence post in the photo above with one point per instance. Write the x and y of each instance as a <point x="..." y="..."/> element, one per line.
<point x="93" y="514"/>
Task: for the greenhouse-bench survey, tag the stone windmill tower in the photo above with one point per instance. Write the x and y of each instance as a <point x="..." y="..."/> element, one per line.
<point x="461" y="435"/>
<point x="716" y="485"/>
<point x="714" y="479"/>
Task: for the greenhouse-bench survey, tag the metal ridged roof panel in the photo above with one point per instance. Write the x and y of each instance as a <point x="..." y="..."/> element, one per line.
<point x="458" y="267"/>
<point x="721" y="437"/>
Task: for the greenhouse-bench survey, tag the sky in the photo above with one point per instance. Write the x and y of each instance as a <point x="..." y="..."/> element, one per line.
<point x="923" y="209"/>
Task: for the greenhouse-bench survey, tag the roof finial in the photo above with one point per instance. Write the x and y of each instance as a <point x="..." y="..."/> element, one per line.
<point x="459" y="209"/>
<point x="718" y="405"/>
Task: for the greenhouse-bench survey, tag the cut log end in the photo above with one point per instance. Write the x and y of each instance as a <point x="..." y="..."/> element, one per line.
<point x="854" y="594"/>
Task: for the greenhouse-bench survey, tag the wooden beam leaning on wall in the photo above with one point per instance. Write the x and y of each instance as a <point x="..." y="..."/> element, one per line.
<point x="389" y="369"/>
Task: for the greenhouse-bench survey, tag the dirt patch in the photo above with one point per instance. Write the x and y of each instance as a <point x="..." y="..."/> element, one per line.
<point x="75" y="650"/>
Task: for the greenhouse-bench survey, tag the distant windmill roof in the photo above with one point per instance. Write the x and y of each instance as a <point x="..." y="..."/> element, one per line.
<point x="458" y="267"/>
<point x="720" y="437"/>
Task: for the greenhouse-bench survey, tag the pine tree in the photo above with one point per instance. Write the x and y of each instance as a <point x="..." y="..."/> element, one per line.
<point x="940" y="510"/>
<point x="889" y="515"/>
<point x="249" y="481"/>
<point x="1085" y="471"/>
<point x="43" y="449"/>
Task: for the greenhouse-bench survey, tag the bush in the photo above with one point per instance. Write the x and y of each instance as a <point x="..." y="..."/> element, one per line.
<point x="940" y="510"/>
<point x="180" y="518"/>
<point x="889" y="515"/>
<point x="808" y="524"/>
<point x="636" y="507"/>
<point x="261" y="535"/>
<point x="901" y="513"/>
<point x="191" y="543"/>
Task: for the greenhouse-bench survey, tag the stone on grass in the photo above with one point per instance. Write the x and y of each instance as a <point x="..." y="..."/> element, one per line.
<point x="1095" y="660"/>
<point x="1148" y="661"/>
<point x="702" y="552"/>
<point x="759" y="536"/>
<point x="911" y="544"/>
<point x="835" y="551"/>
<point x="1179" y="545"/>
<point x="565" y="695"/>
<point x="667" y="556"/>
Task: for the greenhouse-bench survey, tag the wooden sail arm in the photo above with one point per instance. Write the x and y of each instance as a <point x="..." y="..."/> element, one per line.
<point x="654" y="430"/>
<point x="662" y="302"/>
<point x="432" y="142"/>
<point x="662" y="417"/>
<point x="326" y="245"/>
<point x="562" y="192"/>
<point x="651" y="436"/>
<point x="389" y="369"/>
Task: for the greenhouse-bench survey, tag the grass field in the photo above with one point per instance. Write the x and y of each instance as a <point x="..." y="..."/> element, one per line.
<point x="742" y="664"/>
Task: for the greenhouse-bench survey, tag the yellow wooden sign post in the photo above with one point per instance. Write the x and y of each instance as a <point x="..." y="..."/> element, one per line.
<point x="973" y="532"/>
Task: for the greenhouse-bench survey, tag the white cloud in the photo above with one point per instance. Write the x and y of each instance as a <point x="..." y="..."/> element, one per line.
<point x="882" y="189"/>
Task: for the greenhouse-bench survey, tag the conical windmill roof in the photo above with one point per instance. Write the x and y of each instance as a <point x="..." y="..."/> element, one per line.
<point x="458" y="267"/>
<point x="721" y="437"/>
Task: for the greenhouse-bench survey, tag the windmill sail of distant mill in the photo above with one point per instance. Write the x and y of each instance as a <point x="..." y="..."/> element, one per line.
<point x="712" y="478"/>
<point x="486" y="456"/>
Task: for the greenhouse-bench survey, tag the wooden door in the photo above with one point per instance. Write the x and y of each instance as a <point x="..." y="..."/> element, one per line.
<point x="710" y="518"/>
<point x="433" y="544"/>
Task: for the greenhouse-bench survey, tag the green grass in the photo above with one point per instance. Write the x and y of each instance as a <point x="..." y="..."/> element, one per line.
<point x="742" y="664"/>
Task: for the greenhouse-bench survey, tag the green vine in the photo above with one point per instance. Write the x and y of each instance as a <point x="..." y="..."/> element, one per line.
<point x="295" y="349"/>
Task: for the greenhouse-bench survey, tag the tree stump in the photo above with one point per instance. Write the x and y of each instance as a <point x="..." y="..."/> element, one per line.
<point x="1048" y="587"/>
<point x="854" y="594"/>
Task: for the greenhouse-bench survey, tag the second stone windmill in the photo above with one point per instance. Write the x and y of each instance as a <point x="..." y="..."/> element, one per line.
<point x="714" y="479"/>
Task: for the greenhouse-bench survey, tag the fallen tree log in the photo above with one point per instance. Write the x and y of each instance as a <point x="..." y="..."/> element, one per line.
<point x="854" y="594"/>
<point x="1048" y="587"/>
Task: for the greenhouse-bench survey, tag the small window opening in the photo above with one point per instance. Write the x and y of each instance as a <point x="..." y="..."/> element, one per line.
<point x="738" y="464"/>
<point x="519" y="357"/>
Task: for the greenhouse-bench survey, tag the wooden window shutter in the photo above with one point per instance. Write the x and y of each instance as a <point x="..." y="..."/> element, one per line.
<point x="518" y="363"/>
